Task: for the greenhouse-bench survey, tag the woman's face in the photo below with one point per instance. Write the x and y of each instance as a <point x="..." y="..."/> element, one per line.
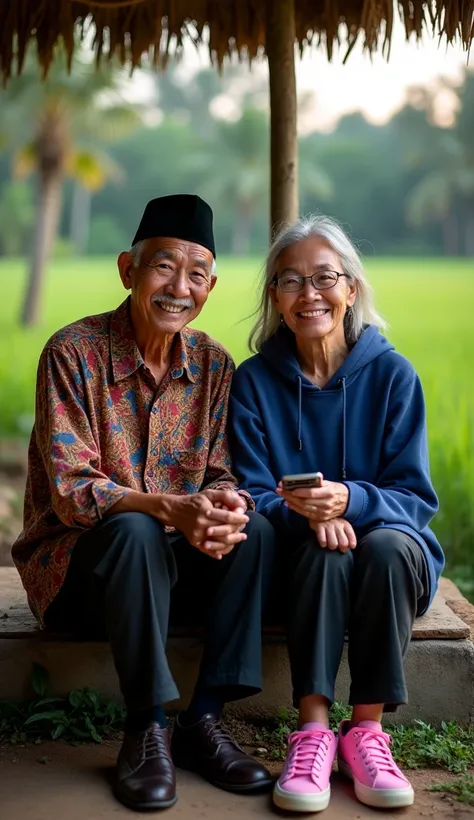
<point x="311" y="313"/>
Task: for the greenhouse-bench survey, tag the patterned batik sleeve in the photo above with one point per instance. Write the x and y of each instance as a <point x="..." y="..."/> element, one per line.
<point x="80" y="492"/>
<point x="219" y="466"/>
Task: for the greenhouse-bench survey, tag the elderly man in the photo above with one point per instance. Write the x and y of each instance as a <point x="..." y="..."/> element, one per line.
<point x="130" y="492"/>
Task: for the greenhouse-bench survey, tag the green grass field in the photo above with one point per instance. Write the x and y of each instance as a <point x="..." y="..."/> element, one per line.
<point x="428" y="304"/>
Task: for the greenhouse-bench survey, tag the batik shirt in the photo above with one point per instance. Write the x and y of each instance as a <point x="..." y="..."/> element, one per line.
<point x="103" y="428"/>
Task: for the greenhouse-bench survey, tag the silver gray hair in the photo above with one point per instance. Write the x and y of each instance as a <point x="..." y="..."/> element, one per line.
<point x="136" y="254"/>
<point x="316" y="225"/>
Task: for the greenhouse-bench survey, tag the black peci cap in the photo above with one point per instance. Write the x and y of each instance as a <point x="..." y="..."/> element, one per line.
<point x="181" y="216"/>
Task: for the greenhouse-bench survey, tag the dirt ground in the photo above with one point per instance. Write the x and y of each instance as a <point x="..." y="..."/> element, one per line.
<point x="55" y="780"/>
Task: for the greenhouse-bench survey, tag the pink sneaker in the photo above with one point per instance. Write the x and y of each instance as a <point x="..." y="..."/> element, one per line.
<point x="304" y="782"/>
<point x="364" y="756"/>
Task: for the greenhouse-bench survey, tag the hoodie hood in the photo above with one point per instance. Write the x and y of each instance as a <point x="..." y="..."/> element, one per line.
<point x="280" y="352"/>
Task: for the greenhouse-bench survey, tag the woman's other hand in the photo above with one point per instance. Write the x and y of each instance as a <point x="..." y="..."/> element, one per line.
<point x="335" y="535"/>
<point x="318" y="503"/>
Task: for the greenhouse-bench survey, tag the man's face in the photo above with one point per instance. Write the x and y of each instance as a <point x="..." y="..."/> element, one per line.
<point x="170" y="285"/>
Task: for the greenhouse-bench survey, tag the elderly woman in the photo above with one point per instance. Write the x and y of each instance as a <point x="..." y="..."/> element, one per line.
<point x="326" y="392"/>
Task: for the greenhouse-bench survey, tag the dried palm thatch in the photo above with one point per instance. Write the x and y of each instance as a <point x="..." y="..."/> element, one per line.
<point x="131" y="28"/>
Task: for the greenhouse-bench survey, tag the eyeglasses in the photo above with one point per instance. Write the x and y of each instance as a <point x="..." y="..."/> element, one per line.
<point x="291" y="282"/>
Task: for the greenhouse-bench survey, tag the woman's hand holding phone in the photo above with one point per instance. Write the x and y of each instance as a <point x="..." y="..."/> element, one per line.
<point x="323" y="501"/>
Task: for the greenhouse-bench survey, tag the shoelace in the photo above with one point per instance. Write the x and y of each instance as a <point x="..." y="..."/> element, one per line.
<point x="374" y="748"/>
<point x="307" y="751"/>
<point x="154" y="744"/>
<point x="218" y="734"/>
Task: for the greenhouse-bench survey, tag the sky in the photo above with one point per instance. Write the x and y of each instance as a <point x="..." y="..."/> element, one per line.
<point x="369" y="84"/>
<point x="374" y="85"/>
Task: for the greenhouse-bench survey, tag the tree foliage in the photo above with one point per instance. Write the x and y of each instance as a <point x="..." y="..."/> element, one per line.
<point x="406" y="187"/>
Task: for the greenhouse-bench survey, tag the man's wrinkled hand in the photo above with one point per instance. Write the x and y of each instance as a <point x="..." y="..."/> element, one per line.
<point x="213" y="530"/>
<point x="219" y="536"/>
<point x="226" y="500"/>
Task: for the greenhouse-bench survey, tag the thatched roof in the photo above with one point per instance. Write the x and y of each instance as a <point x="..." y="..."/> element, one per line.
<point x="132" y="27"/>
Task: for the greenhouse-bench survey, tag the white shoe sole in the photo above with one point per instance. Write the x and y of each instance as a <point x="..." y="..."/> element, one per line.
<point x="301" y="802"/>
<point x="378" y="798"/>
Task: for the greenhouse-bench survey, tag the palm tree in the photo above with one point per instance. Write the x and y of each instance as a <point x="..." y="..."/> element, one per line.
<point x="50" y="127"/>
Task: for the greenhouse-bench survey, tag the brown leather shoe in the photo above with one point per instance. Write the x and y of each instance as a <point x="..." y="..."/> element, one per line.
<point x="146" y="776"/>
<point x="207" y="748"/>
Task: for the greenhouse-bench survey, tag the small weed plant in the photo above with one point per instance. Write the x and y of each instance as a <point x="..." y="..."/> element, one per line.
<point x="84" y="716"/>
<point x="462" y="789"/>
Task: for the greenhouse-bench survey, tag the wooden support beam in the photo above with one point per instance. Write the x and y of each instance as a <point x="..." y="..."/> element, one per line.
<point x="280" y="48"/>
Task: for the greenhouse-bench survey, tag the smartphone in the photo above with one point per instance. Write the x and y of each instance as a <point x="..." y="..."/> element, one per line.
<point x="302" y="481"/>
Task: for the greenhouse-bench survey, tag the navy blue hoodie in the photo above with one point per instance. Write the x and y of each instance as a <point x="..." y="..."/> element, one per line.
<point x="365" y="428"/>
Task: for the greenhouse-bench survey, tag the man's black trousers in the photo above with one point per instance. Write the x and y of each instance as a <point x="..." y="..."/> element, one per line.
<point x="119" y="586"/>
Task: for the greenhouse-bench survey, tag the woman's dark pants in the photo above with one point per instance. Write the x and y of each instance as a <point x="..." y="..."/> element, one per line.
<point x="374" y="594"/>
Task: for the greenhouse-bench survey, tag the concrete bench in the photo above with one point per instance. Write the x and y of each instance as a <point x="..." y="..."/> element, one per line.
<point x="439" y="666"/>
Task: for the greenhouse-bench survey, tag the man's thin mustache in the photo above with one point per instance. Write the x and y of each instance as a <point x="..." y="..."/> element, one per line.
<point x="168" y="300"/>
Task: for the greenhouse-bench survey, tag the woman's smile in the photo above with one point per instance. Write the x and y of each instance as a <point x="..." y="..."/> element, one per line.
<point x="313" y="314"/>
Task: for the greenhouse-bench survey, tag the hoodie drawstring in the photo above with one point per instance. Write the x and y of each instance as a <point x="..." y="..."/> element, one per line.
<point x="343" y="380"/>
<point x="300" y="401"/>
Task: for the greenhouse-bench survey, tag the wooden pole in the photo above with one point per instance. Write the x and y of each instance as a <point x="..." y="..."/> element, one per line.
<point x="280" y="48"/>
